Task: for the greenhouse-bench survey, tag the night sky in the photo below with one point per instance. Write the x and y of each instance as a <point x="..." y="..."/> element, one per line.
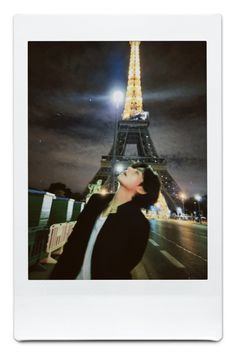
<point x="71" y="115"/>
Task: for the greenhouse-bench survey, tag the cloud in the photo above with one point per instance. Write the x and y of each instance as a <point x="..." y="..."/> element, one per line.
<point x="56" y="157"/>
<point x="185" y="92"/>
<point x="71" y="117"/>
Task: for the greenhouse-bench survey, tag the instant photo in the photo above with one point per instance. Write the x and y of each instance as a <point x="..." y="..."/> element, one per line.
<point x="117" y="182"/>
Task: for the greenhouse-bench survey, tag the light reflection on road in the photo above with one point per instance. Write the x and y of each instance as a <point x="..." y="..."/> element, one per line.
<point x="173" y="243"/>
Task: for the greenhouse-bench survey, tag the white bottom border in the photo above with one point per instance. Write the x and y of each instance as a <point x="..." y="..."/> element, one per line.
<point x="117" y="318"/>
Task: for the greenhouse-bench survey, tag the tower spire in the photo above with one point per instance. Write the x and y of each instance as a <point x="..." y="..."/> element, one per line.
<point x="133" y="142"/>
<point x="133" y="100"/>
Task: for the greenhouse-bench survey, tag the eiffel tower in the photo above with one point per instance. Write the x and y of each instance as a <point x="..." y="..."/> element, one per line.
<point x="132" y="142"/>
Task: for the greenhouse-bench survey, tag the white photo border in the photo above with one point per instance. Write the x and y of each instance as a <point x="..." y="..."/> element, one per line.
<point x="118" y="309"/>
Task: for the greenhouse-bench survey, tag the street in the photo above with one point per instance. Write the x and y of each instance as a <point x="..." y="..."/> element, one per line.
<point x="175" y="250"/>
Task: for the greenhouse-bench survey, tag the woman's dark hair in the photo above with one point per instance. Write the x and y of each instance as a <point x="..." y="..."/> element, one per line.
<point x="151" y="184"/>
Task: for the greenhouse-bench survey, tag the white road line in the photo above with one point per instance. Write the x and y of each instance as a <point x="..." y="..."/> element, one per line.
<point x="153" y="242"/>
<point x="172" y="259"/>
<point x="176" y="244"/>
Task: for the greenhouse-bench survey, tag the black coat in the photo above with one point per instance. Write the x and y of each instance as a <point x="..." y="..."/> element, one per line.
<point x="119" y="246"/>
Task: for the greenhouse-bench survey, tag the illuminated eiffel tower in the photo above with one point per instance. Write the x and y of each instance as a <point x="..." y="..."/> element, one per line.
<point x="132" y="140"/>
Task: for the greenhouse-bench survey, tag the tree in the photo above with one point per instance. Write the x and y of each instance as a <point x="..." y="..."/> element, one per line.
<point x="57" y="188"/>
<point x="60" y="189"/>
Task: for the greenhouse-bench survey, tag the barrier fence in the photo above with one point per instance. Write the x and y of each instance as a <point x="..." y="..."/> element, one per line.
<point x="50" y="222"/>
<point x="37" y="244"/>
<point x="57" y="238"/>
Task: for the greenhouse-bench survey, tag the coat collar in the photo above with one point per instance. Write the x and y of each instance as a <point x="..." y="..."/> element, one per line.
<point x="108" y="197"/>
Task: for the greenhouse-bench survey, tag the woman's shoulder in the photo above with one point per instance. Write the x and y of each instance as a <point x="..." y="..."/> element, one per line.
<point x="137" y="218"/>
<point x="138" y="227"/>
<point x="143" y="220"/>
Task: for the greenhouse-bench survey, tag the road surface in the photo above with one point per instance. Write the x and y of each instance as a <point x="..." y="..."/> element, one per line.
<point x="175" y="250"/>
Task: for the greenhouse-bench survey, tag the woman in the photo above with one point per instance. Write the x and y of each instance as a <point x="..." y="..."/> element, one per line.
<point x="111" y="233"/>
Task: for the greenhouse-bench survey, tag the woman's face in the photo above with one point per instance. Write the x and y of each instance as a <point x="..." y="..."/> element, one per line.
<point x="131" y="178"/>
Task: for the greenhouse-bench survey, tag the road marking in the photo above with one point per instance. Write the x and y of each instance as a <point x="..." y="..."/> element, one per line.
<point x="176" y="244"/>
<point x="172" y="259"/>
<point x="153" y="242"/>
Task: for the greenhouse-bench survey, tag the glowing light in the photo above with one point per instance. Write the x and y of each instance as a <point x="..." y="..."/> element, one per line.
<point x="198" y="197"/>
<point x="117" y="97"/>
<point x="134" y="100"/>
<point x="119" y="168"/>
<point x="179" y="211"/>
<point x="183" y="196"/>
<point x="103" y="191"/>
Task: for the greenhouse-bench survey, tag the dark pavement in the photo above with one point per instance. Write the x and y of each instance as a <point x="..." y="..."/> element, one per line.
<point x="176" y="250"/>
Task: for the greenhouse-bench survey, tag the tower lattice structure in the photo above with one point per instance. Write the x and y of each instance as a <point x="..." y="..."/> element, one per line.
<point x="133" y="141"/>
<point x="133" y="100"/>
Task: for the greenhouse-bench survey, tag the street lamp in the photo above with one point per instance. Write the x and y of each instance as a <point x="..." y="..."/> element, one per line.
<point x="103" y="191"/>
<point x="117" y="98"/>
<point x="119" y="168"/>
<point x="183" y="197"/>
<point x="198" y="198"/>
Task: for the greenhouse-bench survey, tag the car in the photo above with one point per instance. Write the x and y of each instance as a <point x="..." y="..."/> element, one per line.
<point x="185" y="217"/>
<point x="203" y="219"/>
